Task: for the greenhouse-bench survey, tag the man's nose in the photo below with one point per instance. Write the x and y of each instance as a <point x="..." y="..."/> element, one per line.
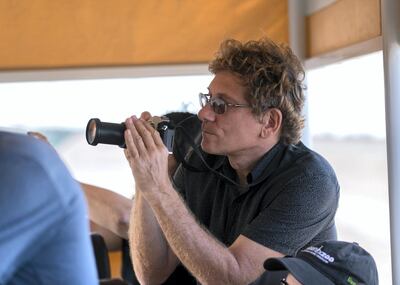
<point x="206" y="113"/>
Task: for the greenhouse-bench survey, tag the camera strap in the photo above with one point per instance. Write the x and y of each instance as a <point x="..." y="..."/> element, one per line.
<point x="196" y="151"/>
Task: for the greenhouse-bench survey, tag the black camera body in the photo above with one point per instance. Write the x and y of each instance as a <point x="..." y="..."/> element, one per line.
<point x="111" y="133"/>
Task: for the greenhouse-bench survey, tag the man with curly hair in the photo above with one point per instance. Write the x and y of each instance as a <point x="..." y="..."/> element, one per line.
<point x="253" y="191"/>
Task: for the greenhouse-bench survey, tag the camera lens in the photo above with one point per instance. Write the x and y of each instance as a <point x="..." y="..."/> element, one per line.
<point x="91" y="131"/>
<point x="110" y="133"/>
<point x="105" y="133"/>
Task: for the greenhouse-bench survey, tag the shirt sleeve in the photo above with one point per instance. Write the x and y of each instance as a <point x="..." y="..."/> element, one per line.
<point x="305" y="206"/>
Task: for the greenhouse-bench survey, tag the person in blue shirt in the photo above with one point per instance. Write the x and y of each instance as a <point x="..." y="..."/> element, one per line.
<point x="44" y="235"/>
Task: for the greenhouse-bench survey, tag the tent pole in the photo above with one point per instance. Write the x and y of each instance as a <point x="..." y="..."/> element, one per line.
<point x="390" y="16"/>
<point x="297" y="41"/>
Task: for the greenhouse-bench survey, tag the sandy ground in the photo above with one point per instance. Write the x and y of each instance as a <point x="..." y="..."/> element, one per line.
<point x="360" y="164"/>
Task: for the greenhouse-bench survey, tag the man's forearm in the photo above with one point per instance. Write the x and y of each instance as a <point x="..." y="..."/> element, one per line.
<point x="209" y="261"/>
<point x="152" y="258"/>
<point x="108" y="209"/>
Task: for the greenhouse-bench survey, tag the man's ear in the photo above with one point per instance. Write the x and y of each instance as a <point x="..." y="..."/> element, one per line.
<point x="271" y="122"/>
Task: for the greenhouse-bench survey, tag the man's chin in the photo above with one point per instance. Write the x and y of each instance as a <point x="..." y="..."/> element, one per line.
<point x="209" y="148"/>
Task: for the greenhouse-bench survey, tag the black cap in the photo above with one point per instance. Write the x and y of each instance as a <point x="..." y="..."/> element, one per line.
<point x="330" y="263"/>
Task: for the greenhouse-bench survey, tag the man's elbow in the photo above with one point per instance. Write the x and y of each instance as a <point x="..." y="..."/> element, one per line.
<point x="233" y="279"/>
<point x="232" y="272"/>
<point x="149" y="271"/>
<point x="149" y="280"/>
<point x="150" y="276"/>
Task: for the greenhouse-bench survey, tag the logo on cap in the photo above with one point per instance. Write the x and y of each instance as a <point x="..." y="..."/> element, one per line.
<point x="320" y="254"/>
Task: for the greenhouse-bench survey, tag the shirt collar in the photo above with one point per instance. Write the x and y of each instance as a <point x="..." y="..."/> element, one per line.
<point x="259" y="168"/>
<point x="263" y="163"/>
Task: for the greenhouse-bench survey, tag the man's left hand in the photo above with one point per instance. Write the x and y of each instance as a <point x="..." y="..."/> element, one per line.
<point x="146" y="154"/>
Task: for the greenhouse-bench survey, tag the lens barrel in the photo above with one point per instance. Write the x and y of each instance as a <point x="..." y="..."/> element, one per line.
<point x="111" y="133"/>
<point x="105" y="133"/>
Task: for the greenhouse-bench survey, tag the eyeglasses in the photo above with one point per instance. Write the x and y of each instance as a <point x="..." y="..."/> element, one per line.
<point x="218" y="105"/>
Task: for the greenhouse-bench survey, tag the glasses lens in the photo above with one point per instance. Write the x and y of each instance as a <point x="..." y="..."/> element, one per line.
<point x="203" y="99"/>
<point x="218" y="105"/>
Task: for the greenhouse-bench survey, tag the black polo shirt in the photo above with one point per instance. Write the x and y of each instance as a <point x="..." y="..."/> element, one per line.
<point x="290" y="203"/>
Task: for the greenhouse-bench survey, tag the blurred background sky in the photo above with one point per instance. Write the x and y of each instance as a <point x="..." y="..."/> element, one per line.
<point x="351" y="88"/>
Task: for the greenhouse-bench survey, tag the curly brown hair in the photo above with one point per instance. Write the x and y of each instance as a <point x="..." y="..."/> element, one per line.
<point x="273" y="76"/>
